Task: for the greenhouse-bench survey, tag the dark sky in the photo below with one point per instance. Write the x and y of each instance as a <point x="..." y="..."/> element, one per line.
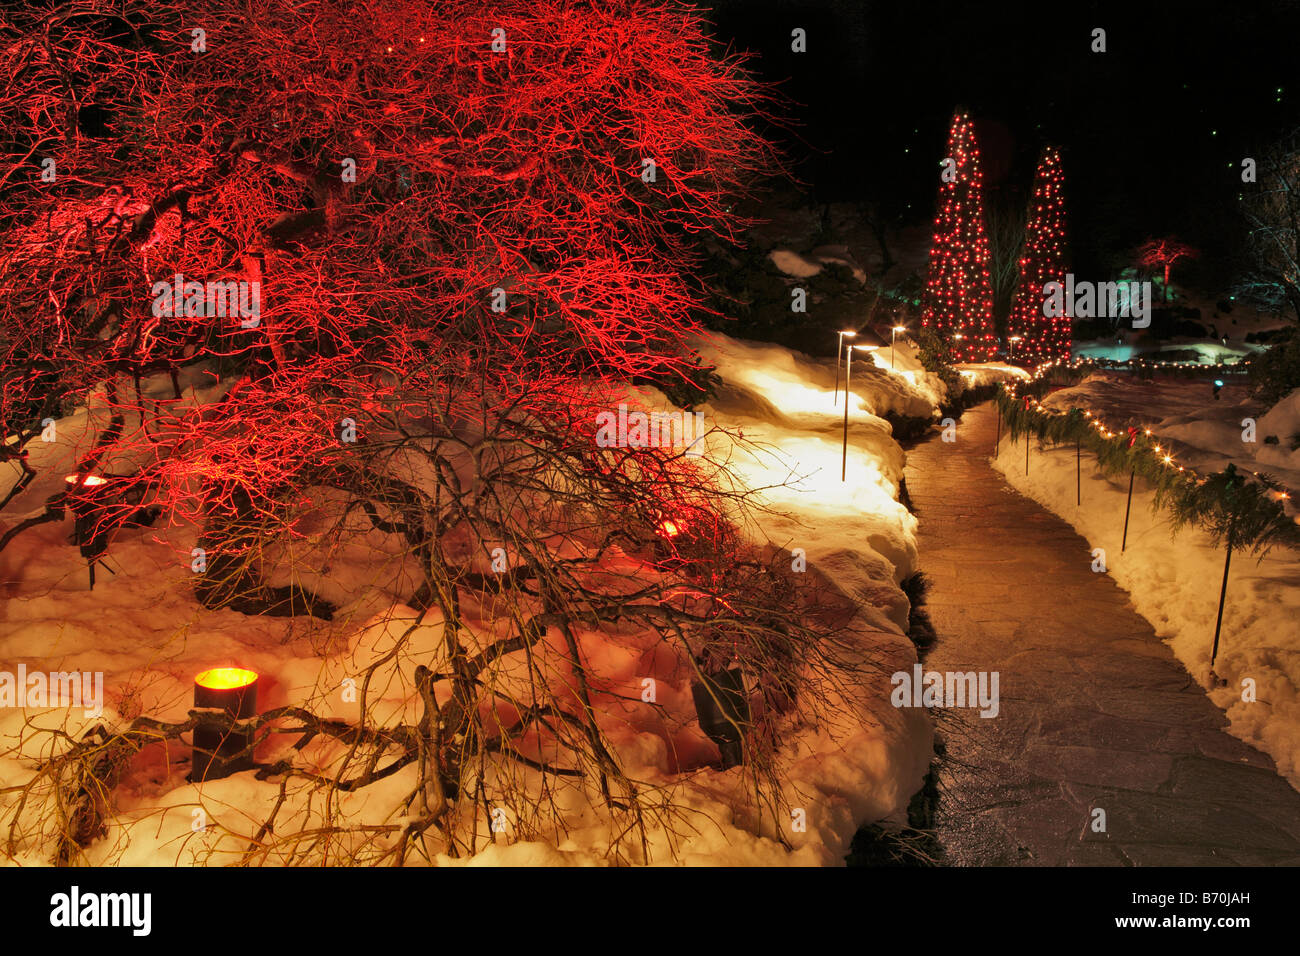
<point x="1147" y="130"/>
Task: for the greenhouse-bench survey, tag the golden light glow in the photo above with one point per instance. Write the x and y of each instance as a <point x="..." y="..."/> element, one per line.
<point x="225" y="678"/>
<point x="92" y="481"/>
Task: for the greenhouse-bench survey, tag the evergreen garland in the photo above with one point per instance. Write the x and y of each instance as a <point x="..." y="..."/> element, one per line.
<point x="1227" y="506"/>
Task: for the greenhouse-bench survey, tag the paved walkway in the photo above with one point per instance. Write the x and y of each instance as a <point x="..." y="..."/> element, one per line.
<point x="1096" y="713"/>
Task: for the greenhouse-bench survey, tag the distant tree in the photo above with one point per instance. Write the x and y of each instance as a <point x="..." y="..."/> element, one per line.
<point x="1006" y="224"/>
<point x="1044" y="259"/>
<point x="1271" y="207"/>
<point x="958" y="300"/>
<point x="1162" y="254"/>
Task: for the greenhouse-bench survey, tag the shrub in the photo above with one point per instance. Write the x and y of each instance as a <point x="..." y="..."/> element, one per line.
<point x="1276" y="372"/>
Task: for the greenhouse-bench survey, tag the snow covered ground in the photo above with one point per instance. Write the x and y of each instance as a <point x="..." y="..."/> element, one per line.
<point x="1174" y="582"/>
<point x="142" y="627"/>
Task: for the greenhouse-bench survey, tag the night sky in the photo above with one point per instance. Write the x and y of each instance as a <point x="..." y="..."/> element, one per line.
<point x="1152" y="131"/>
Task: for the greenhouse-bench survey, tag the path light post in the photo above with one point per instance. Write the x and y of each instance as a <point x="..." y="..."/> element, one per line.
<point x="848" y="365"/>
<point x="1132" y="439"/>
<point x="893" y="334"/>
<point x="1223" y="596"/>
<point x="1078" y="474"/>
<point x="1011" y="349"/>
<point x="1230" y="494"/>
<point x="839" y="350"/>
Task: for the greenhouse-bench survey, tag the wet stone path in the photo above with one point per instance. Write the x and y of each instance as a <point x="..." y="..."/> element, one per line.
<point x="1095" y="713"/>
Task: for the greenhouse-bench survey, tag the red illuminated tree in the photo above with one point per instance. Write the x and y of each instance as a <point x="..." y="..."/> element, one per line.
<point x="958" y="299"/>
<point x="470" y="228"/>
<point x="1042" y="338"/>
<point x="1162" y="254"/>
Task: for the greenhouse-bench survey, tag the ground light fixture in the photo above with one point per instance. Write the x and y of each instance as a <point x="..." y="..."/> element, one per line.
<point x="669" y="528"/>
<point x="839" y="350"/>
<point x="225" y="699"/>
<point x="723" y="711"/>
<point x="85" y="493"/>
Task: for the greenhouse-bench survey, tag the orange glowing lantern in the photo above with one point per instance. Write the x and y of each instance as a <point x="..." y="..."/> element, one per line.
<point x="669" y="528"/>
<point x="224" y="678"/>
<point x="225" y="698"/>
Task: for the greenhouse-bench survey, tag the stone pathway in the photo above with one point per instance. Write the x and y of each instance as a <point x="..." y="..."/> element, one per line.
<point x="1096" y="712"/>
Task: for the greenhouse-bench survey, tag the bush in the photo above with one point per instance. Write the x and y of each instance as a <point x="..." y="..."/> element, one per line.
<point x="937" y="356"/>
<point x="1276" y="372"/>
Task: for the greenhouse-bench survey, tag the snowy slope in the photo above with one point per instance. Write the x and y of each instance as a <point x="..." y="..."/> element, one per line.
<point x="142" y="627"/>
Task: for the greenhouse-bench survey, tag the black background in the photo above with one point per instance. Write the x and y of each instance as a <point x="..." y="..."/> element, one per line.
<point x="877" y="86"/>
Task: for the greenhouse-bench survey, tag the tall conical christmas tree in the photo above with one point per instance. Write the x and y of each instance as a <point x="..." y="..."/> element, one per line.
<point x="958" y="302"/>
<point x="1042" y="337"/>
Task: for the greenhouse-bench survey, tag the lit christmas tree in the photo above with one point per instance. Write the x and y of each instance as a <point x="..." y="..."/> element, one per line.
<point x="1042" y="338"/>
<point x="958" y="302"/>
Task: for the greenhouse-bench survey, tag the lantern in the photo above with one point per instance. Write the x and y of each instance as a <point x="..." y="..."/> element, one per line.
<point x="226" y="699"/>
<point x="669" y="528"/>
<point x="723" y="710"/>
<point x="85" y="495"/>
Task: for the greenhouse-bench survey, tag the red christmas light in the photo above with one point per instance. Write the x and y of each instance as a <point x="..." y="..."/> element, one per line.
<point x="475" y="171"/>
<point x="958" y="297"/>
<point x="1043" y="338"/>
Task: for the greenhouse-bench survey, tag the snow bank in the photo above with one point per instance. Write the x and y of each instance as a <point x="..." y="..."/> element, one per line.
<point x="1281" y="422"/>
<point x="975" y="374"/>
<point x="806" y="266"/>
<point x="142" y="627"/>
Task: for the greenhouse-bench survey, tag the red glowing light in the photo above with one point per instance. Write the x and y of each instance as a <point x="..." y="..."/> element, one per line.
<point x="669" y="528"/>
<point x="959" y="294"/>
<point x="1044" y="260"/>
<point x="1162" y="254"/>
<point x="225" y="678"/>
<point x="544" y="198"/>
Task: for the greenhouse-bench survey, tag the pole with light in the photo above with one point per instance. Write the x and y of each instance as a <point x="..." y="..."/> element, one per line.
<point x="893" y="333"/>
<point x="848" y="368"/>
<point x="839" y="350"/>
<point x="1012" y="341"/>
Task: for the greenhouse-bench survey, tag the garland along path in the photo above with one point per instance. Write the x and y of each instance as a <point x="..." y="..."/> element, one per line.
<point x="1096" y="713"/>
